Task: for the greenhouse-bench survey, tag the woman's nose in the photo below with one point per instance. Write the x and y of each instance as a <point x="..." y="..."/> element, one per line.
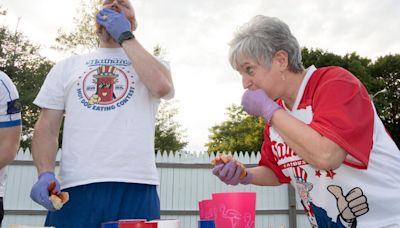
<point x="246" y="83"/>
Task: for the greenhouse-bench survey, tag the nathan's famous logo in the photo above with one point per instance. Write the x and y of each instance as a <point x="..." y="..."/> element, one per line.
<point x="105" y="88"/>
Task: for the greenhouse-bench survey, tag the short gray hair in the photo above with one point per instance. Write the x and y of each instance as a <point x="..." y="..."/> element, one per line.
<point x="261" y="38"/>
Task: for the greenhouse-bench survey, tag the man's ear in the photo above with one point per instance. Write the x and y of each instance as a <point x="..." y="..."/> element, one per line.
<point x="281" y="57"/>
<point x="134" y="23"/>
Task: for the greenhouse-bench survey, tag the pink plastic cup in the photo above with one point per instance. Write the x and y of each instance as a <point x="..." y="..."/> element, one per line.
<point x="207" y="209"/>
<point x="235" y="209"/>
<point x="138" y="225"/>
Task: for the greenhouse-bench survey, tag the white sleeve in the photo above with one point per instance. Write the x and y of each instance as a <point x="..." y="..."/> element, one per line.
<point x="10" y="106"/>
<point x="51" y="94"/>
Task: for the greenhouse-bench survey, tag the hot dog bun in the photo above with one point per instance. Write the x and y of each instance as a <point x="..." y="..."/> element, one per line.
<point x="223" y="159"/>
<point x="58" y="200"/>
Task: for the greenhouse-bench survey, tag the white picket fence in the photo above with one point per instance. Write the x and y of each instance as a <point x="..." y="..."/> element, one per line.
<point x="185" y="180"/>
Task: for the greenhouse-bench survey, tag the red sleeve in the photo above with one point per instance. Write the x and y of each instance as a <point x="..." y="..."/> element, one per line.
<point x="343" y="112"/>
<point x="269" y="160"/>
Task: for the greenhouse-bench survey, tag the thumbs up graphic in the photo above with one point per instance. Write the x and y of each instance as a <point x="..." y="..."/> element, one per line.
<point x="351" y="206"/>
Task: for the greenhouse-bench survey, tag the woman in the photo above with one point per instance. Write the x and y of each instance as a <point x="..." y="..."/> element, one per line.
<point x="322" y="133"/>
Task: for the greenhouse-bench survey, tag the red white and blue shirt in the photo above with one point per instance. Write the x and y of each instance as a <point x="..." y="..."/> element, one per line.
<point x="335" y="103"/>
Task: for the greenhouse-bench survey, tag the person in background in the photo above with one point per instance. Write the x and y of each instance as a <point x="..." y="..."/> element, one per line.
<point x="10" y="130"/>
<point x="108" y="100"/>
<point x="322" y="133"/>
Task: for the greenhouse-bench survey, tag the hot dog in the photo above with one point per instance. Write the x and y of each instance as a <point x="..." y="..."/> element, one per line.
<point x="58" y="200"/>
<point x="223" y="159"/>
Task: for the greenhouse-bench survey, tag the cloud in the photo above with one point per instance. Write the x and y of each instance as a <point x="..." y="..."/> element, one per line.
<point x="195" y="35"/>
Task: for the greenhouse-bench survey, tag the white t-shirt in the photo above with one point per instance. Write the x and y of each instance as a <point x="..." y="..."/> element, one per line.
<point x="109" y="120"/>
<point x="335" y="103"/>
<point x="10" y="114"/>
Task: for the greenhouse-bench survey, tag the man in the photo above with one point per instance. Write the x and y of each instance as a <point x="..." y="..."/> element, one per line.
<point x="10" y="129"/>
<point x="109" y="98"/>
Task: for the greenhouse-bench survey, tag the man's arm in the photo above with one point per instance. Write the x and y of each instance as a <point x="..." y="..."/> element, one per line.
<point x="45" y="139"/>
<point x="152" y="72"/>
<point x="9" y="144"/>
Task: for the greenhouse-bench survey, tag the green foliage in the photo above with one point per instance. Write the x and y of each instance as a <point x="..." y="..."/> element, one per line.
<point x="21" y="61"/>
<point x="159" y="51"/>
<point x="168" y="136"/>
<point x="357" y="65"/>
<point x="320" y="58"/>
<point x="84" y="37"/>
<point x="360" y="68"/>
<point x="240" y="132"/>
<point x="387" y="100"/>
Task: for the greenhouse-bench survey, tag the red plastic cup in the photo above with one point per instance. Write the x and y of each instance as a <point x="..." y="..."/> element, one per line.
<point x="132" y="223"/>
<point x="207" y="209"/>
<point x="150" y="225"/>
<point x="131" y="220"/>
<point x="167" y="223"/>
<point x="235" y="209"/>
<point x="138" y="225"/>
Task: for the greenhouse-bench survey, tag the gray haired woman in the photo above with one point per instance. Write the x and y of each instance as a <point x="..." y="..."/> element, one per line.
<point x="321" y="130"/>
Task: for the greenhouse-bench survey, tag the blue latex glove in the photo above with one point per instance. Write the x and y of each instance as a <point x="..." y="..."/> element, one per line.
<point x="229" y="173"/>
<point x="114" y="22"/>
<point x="258" y="103"/>
<point x="40" y="192"/>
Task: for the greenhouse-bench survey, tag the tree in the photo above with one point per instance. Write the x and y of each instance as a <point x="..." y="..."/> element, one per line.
<point x="387" y="99"/>
<point x="354" y="63"/>
<point x="84" y="37"/>
<point x="168" y="136"/>
<point x="240" y="132"/>
<point x="320" y="58"/>
<point x="21" y="61"/>
<point x="360" y="67"/>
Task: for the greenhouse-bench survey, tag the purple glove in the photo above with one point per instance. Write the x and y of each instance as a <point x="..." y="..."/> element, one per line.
<point x="40" y="192"/>
<point x="114" y="22"/>
<point x="258" y="103"/>
<point x="230" y="173"/>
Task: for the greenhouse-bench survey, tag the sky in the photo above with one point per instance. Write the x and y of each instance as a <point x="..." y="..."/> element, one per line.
<point x="195" y="35"/>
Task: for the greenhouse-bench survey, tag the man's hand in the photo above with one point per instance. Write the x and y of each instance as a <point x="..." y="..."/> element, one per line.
<point x="40" y="190"/>
<point x="258" y="103"/>
<point x="114" y="22"/>
<point x="229" y="173"/>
